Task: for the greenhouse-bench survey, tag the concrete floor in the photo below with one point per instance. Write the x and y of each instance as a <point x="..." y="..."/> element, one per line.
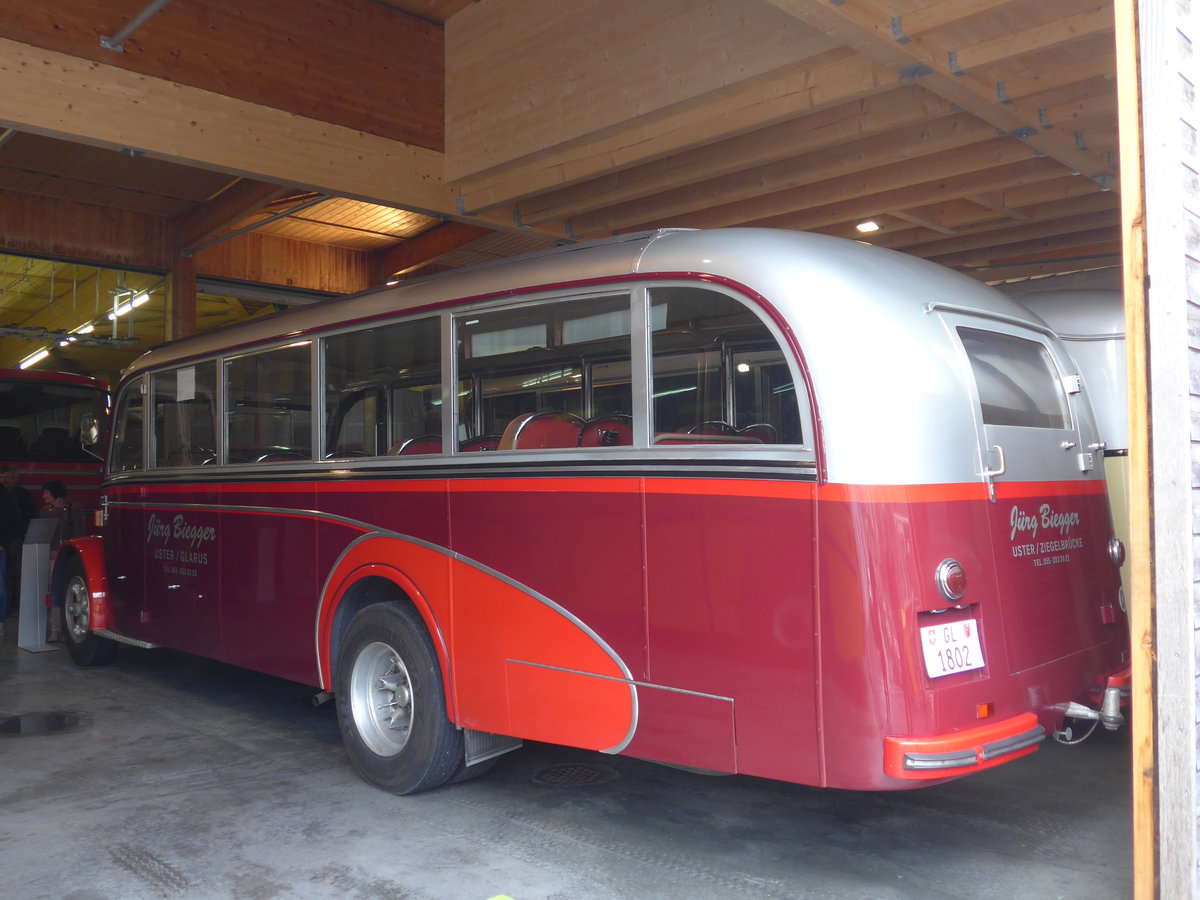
<point x="191" y="779"/>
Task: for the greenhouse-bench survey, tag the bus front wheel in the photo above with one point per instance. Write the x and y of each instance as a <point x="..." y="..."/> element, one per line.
<point x="86" y="647"/>
<point x="391" y="704"/>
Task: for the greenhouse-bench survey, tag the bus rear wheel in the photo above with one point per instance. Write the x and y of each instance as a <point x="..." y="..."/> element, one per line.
<point x="86" y="647"/>
<point x="391" y="703"/>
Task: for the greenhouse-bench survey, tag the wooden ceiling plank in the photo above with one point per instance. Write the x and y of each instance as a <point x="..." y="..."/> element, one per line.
<point x="894" y="149"/>
<point x="818" y="131"/>
<point x="1043" y="37"/>
<point x="87" y="192"/>
<point x="833" y="79"/>
<point x="862" y="25"/>
<point x="426" y="248"/>
<point x="974" y="158"/>
<point x="849" y="207"/>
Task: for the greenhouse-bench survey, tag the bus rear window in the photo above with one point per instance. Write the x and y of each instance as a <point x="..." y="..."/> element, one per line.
<point x="1017" y="381"/>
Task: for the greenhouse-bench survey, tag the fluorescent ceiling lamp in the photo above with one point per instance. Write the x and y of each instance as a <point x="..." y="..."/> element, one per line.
<point x="34" y="359"/>
<point x="126" y="307"/>
<point x="867" y="227"/>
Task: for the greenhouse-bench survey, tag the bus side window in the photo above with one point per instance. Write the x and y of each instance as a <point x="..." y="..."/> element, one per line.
<point x="127" y="453"/>
<point x="559" y="362"/>
<point x="719" y="374"/>
<point x="268" y="405"/>
<point x="382" y="388"/>
<point x="185" y="415"/>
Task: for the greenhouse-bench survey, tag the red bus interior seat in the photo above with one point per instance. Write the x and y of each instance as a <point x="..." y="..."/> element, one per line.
<point x="422" y="443"/>
<point x="542" y="431"/>
<point x="607" y="431"/>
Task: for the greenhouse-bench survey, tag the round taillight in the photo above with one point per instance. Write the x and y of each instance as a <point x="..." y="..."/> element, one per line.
<point x="1116" y="551"/>
<point x="951" y="579"/>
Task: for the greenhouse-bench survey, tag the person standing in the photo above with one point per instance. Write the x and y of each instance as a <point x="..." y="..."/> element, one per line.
<point x="57" y="505"/>
<point x="12" y="531"/>
<point x="10" y="478"/>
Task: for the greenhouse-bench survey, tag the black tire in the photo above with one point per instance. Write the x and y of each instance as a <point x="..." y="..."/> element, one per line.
<point x="74" y="612"/>
<point x="391" y="703"/>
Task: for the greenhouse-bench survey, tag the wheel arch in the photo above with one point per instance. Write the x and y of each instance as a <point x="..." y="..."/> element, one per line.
<point x="359" y="582"/>
<point x="89" y="551"/>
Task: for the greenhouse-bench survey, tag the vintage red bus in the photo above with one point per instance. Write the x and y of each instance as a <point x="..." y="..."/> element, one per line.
<point x="742" y="500"/>
<point x="42" y="415"/>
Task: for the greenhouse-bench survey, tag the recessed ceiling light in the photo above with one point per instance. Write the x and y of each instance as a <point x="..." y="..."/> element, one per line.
<point x="867" y="227"/>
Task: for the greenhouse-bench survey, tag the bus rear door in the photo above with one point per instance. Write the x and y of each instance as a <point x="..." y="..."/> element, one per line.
<point x="1048" y="509"/>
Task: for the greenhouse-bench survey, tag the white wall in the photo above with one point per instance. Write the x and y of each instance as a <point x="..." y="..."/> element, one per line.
<point x="1171" y="117"/>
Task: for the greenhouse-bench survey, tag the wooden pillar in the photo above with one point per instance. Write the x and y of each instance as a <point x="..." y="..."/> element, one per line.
<point x="1141" y="601"/>
<point x="181" y="298"/>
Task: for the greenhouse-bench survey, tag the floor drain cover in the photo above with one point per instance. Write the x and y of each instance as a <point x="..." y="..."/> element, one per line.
<point x="571" y="774"/>
<point x="41" y="723"/>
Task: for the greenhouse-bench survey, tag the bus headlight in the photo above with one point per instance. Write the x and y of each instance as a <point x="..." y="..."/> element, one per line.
<point x="951" y="579"/>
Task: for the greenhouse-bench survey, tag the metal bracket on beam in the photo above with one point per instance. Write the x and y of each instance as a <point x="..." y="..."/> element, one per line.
<point x="1043" y="119"/>
<point x="569" y="230"/>
<point x="517" y="218"/>
<point x="898" y="32"/>
<point x="117" y="41"/>
<point x="1002" y="93"/>
<point x="913" y="72"/>
<point x="460" y="206"/>
<point x="1023" y="134"/>
<point x="320" y="198"/>
<point x="1105" y="180"/>
<point x="952" y="62"/>
<point x="838" y="2"/>
<point x="1080" y="143"/>
<point x="1112" y="159"/>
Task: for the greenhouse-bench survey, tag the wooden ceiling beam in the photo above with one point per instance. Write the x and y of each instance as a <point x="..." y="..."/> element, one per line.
<point x="62" y="96"/>
<point x="924" y="223"/>
<point x="962" y="133"/>
<point x="1022" y="249"/>
<point x="995" y="239"/>
<point x="1036" y="81"/>
<point x="945" y="13"/>
<point x="901" y="106"/>
<point x="1033" y="40"/>
<point x="830" y="80"/>
<point x="426" y="248"/>
<point x="1091" y="209"/>
<point x="995" y="203"/>
<point x="241" y="199"/>
<point x="858" y="205"/>
<point x="861" y="24"/>
<point x="975" y="158"/>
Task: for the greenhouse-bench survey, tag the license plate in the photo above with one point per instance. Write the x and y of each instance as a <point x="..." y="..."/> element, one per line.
<point x="953" y="647"/>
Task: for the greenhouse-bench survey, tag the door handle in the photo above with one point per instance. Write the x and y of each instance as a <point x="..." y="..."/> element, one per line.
<point x="990" y="474"/>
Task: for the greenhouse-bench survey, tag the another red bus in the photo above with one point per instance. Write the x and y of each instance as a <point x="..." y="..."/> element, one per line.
<point x="743" y="500"/>
<point x="42" y="415"/>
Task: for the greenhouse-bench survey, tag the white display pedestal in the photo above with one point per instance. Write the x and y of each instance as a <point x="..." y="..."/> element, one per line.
<point x="35" y="582"/>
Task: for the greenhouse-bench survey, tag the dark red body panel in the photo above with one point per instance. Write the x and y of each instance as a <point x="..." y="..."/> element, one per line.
<point x="768" y="627"/>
